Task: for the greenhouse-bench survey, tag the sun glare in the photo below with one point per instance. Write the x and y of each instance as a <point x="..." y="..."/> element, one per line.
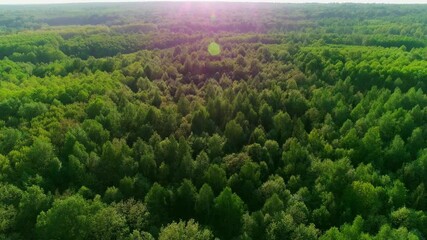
<point x="214" y="49"/>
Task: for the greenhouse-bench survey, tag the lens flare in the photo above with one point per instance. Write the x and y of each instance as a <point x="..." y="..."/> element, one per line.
<point x="213" y="17"/>
<point x="214" y="49"/>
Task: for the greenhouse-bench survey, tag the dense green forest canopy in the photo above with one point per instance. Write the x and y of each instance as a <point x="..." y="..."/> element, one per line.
<point x="213" y="120"/>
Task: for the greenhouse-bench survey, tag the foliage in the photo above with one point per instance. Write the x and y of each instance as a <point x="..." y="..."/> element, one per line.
<point x="213" y="120"/>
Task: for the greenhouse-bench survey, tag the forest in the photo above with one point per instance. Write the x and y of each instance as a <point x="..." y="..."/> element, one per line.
<point x="203" y="121"/>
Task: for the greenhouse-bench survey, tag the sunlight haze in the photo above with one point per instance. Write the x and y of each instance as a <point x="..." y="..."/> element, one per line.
<point x="279" y="1"/>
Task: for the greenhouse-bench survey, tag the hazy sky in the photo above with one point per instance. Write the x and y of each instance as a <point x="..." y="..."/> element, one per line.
<point x="291" y="1"/>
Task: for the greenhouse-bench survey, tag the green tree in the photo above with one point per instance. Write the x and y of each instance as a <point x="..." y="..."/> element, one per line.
<point x="204" y="203"/>
<point x="215" y="146"/>
<point x="41" y="159"/>
<point x="107" y="223"/>
<point x="228" y="213"/>
<point x="395" y="155"/>
<point x="158" y="201"/>
<point x="364" y="198"/>
<point x="371" y="149"/>
<point x="185" y="230"/>
<point x="282" y="127"/>
<point x="33" y="201"/>
<point x="69" y="218"/>
<point x="273" y="205"/>
<point x="135" y="213"/>
<point x="235" y="136"/>
<point x="216" y="177"/>
<point x="115" y="162"/>
<point x="185" y="199"/>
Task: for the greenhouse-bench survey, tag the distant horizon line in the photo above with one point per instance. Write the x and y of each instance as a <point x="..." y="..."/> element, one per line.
<point x="64" y="2"/>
